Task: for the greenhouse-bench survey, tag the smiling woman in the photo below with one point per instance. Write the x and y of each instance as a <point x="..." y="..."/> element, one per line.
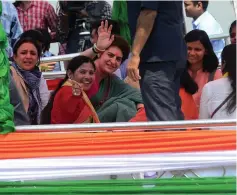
<point x="69" y="103"/>
<point x="202" y="62"/>
<point x="30" y="83"/>
<point x="115" y="100"/>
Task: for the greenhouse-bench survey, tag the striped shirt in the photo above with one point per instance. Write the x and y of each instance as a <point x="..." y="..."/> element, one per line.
<point x="40" y="14"/>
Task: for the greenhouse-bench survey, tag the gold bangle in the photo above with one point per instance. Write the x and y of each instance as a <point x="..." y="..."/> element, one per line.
<point x="99" y="50"/>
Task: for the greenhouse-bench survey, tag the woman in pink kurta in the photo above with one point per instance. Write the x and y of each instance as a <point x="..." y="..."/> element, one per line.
<point x="202" y="62"/>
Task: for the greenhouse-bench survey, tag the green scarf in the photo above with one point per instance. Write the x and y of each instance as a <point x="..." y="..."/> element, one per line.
<point x="120" y="15"/>
<point x="118" y="104"/>
<point x="6" y="109"/>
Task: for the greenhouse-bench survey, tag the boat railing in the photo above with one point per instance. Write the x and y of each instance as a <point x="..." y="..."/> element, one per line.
<point x="134" y="126"/>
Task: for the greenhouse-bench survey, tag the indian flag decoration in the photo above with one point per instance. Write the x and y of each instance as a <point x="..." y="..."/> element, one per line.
<point x="36" y="156"/>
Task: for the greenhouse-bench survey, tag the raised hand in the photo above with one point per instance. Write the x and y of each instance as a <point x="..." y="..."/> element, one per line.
<point x="45" y="67"/>
<point x="105" y="38"/>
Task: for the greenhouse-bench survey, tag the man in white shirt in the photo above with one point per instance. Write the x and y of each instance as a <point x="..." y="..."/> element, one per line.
<point x="203" y="20"/>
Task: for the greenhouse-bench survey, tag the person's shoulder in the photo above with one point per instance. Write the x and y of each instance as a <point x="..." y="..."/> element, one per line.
<point x="8" y="8"/>
<point x="116" y="79"/>
<point x="217" y="84"/>
<point x="13" y="71"/>
<point x="215" y="88"/>
<point x="44" y="4"/>
<point x="65" y="89"/>
<point x="64" y="93"/>
<point x="210" y="25"/>
<point x="7" y="4"/>
<point x="218" y="74"/>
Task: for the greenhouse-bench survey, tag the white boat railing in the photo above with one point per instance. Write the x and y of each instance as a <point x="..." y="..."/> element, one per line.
<point x="59" y="58"/>
<point x="134" y="126"/>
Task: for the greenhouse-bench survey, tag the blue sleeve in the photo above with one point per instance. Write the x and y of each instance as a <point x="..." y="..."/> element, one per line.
<point x="16" y="29"/>
<point x="152" y="5"/>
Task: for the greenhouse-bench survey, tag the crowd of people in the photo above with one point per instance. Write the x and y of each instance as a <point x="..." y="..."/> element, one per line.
<point x="155" y="72"/>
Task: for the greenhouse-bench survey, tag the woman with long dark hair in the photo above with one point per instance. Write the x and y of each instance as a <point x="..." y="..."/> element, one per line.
<point x="202" y="62"/>
<point x="69" y="103"/>
<point x="218" y="99"/>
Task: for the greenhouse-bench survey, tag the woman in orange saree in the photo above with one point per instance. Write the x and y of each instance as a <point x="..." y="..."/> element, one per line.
<point x="70" y="102"/>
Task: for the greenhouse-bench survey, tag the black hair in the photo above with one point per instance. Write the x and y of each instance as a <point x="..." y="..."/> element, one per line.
<point x="228" y="56"/>
<point x="210" y="61"/>
<point x="123" y="45"/>
<point x="46" y="38"/>
<point x="73" y="65"/>
<point x="188" y="83"/>
<point x="233" y="25"/>
<point x="23" y="40"/>
<point x="35" y="35"/>
<point x="17" y="3"/>
<point x="115" y="30"/>
<point x="204" y="4"/>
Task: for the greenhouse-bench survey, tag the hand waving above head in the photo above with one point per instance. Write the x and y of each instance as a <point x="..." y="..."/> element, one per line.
<point x="105" y="38"/>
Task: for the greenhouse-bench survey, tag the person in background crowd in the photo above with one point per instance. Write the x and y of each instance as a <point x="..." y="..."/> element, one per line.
<point x="40" y="39"/>
<point x="67" y="106"/>
<point x="159" y="51"/>
<point x="202" y="62"/>
<point x="29" y="80"/>
<point x="62" y="27"/>
<point x="93" y="10"/>
<point x="11" y="24"/>
<point x="37" y="14"/>
<point x="7" y="110"/>
<point x="218" y="99"/>
<point x="203" y="20"/>
<point x="115" y="101"/>
<point x="120" y="14"/>
<point x="46" y="47"/>
<point x="232" y="32"/>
